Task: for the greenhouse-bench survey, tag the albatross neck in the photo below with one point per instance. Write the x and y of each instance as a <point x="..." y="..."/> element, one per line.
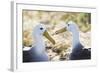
<point x="75" y="40"/>
<point x="39" y="42"/>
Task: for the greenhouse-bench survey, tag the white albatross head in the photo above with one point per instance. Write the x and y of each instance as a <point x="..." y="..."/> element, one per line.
<point x="70" y="26"/>
<point x="40" y="30"/>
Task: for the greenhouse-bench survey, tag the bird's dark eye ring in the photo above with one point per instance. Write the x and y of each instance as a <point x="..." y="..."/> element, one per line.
<point x="41" y="28"/>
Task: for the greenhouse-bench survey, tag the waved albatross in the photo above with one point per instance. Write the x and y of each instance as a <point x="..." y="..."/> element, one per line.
<point x="78" y="50"/>
<point x="37" y="53"/>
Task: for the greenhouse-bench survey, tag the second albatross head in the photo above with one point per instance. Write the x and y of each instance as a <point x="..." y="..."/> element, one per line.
<point x="70" y="26"/>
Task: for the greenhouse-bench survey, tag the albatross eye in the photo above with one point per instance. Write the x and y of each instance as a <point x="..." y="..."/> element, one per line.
<point x="41" y="28"/>
<point x="68" y="24"/>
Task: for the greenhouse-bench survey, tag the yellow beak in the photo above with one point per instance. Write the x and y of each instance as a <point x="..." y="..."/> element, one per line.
<point x="61" y="30"/>
<point x="46" y="34"/>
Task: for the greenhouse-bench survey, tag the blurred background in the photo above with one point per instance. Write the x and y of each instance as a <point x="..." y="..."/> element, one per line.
<point x="54" y="21"/>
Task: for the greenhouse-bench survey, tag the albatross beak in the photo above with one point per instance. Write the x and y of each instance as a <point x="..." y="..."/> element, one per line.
<point x="61" y="30"/>
<point x="46" y="34"/>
